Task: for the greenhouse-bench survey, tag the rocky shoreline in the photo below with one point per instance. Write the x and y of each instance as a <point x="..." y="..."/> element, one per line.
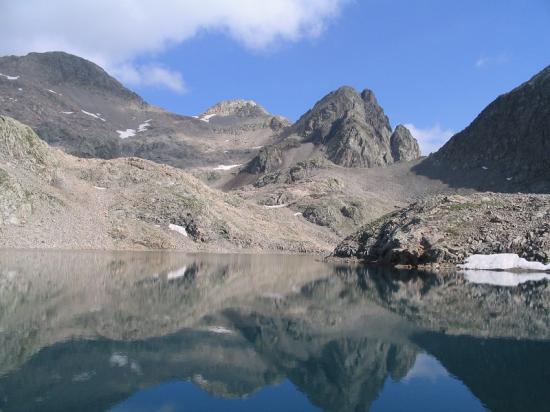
<point x="445" y="230"/>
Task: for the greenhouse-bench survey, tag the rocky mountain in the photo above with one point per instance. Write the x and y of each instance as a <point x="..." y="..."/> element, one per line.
<point x="54" y="200"/>
<point x="506" y="148"/>
<point x="74" y="104"/>
<point x="345" y="127"/>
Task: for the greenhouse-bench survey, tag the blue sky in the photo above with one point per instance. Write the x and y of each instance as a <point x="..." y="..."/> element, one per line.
<point x="433" y="64"/>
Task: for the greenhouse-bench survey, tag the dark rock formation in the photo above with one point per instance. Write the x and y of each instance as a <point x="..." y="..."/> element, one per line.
<point x="506" y="148"/>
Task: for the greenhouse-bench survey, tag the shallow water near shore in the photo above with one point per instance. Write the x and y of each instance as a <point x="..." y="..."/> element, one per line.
<point x="97" y="331"/>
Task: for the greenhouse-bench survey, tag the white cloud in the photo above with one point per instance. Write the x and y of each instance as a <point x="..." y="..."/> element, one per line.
<point x="154" y="75"/>
<point x="485" y="61"/>
<point x="431" y="138"/>
<point x="115" y="33"/>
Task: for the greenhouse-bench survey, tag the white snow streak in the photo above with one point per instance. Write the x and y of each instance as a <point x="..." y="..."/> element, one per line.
<point x="143" y="127"/>
<point x="93" y="115"/>
<point x="206" y="118"/>
<point x="219" y="330"/>
<point x="226" y="167"/>
<point x="54" y="92"/>
<point x="9" y="77"/>
<point x="67" y="112"/>
<point x="275" y="206"/>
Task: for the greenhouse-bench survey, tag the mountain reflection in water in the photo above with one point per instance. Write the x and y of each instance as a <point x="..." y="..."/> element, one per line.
<point x="94" y="331"/>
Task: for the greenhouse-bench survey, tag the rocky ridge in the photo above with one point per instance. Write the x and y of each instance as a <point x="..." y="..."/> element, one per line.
<point x="506" y="148"/>
<point x="74" y="104"/>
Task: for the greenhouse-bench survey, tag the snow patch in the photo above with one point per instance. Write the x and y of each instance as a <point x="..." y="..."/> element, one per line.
<point x="508" y="178"/>
<point x="298" y="214"/>
<point x="125" y="134"/>
<point x="275" y="206"/>
<point x="67" y="112"/>
<point x="178" y="273"/>
<point x="144" y="126"/>
<point x="500" y="278"/>
<point x="177" y="228"/>
<point x="502" y="261"/>
<point x="206" y="118"/>
<point x="226" y="167"/>
<point x="54" y="92"/>
<point x="9" y="77"/>
<point x="20" y="89"/>
<point x="219" y="330"/>
<point x="100" y="188"/>
<point x="257" y="147"/>
<point x="93" y="115"/>
<point x="484" y="167"/>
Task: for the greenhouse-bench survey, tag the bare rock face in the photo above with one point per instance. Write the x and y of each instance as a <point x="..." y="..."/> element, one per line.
<point x="345" y="127"/>
<point x="506" y="148"/>
<point x="404" y="146"/>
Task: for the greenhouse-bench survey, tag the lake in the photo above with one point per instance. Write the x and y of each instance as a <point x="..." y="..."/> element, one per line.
<point x="101" y="331"/>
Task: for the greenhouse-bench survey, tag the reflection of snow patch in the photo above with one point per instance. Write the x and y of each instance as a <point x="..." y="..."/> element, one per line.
<point x="93" y="115"/>
<point x="124" y="134"/>
<point x="9" y="77"/>
<point x="83" y="377"/>
<point x="501" y="261"/>
<point x="508" y="178"/>
<point x="484" y="167"/>
<point x="118" y="359"/>
<point x="177" y="228"/>
<point x="220" y="330"/>
<point x="199" y="379"/>
<point x="226" y="167"/>
<point x="178" y="273"/>
<point x="501" y="278"/>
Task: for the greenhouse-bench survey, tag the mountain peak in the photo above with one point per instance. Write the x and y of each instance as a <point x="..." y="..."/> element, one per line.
<point x="236" y="107"/>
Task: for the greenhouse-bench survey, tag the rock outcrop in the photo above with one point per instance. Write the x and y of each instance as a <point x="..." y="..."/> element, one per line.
<point x="506" y="148"/>
<point x="404" y="146"/>
<point x="447" y="229"/>
<point x="345" y="127"/>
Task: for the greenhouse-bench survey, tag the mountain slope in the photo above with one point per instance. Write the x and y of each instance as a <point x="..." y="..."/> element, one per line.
<point x="74" y="104"/>
<point x="49" y="199"/>
<point x="506" y="148"/>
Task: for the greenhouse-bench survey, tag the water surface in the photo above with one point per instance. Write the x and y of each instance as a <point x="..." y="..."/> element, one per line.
<point x="97" y="331"/>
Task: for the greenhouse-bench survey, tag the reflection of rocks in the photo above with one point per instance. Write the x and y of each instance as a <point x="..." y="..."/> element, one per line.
<point x="451" y="304"/>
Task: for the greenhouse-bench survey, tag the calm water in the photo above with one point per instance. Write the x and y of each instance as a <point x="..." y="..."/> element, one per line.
<point x="171" y="332"/>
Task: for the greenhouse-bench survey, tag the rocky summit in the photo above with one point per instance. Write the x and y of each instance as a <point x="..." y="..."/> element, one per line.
<point x="506" y="148"/>
<point x="345" y="127"/>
